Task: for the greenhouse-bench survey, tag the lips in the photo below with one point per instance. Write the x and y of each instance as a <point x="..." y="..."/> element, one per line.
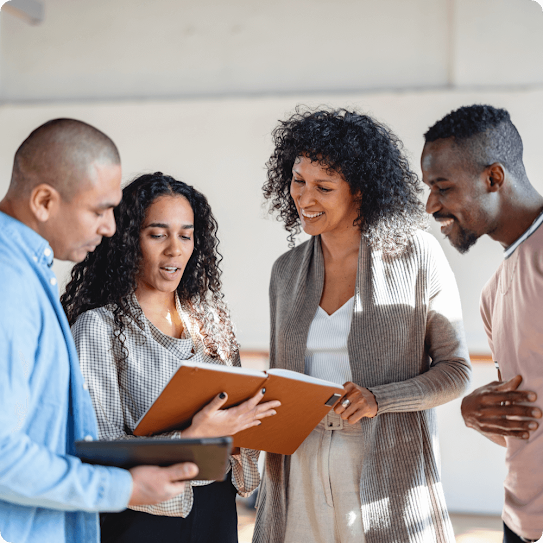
<point x="446" y="226"/>
<point x="170" y="269"/>
<point x="311" y="215"/>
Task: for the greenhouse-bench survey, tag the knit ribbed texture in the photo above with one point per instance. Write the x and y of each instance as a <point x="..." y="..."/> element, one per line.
<point x="407" y="346"/>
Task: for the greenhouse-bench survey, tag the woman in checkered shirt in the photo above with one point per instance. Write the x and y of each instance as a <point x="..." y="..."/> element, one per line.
<point x="145" y="300"/>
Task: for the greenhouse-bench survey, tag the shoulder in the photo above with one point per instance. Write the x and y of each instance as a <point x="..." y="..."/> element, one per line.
<point x="422" y="251"/>
<point x="424" y="243"/>
<point x="292" y="259"/>
<point x="93" y="323"/>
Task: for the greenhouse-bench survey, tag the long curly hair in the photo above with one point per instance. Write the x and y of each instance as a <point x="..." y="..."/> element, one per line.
<point x="367" y="155"/>
<point x="108" y="276"/>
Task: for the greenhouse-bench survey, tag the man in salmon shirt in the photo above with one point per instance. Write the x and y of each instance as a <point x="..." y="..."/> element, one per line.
<point x="472" y="163"/>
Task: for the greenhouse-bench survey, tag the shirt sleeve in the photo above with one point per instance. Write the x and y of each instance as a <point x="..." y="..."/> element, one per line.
<point x="31" y="473"/>
<point x="450" y="369"/>
<point x="93" y="337"/>
<point x="245" y="473"/>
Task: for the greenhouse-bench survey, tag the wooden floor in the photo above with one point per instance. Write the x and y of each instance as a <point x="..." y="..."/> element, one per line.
<point x="467" y="528"/>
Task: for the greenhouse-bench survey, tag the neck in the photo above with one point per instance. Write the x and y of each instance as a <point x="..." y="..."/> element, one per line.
<point x="155" y="303"/>
<point x="338" y="245"/>
<point x="14" y="208"/>
<point x="516" y="215"/>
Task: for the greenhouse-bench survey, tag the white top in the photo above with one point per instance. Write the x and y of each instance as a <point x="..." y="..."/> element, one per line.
<point x="326" y="355"/>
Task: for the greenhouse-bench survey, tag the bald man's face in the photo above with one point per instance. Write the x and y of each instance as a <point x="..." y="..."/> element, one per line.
<point x="78" y="226"/>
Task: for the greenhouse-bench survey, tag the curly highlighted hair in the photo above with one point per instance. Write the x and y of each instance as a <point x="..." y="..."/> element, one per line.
<point x="108" y="276"/>
<point x="370" y="159"/>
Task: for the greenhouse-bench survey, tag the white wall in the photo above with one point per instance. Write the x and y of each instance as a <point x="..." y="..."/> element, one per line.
<point x="131" y="68"/>
<point x="221" y="146"/>
<point x="124" y="49"/>
<point x="472" y="467"/>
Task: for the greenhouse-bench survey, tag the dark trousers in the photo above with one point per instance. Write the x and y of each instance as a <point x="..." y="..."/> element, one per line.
<point x="509" y="536"/>
<point x="213" y="519"/>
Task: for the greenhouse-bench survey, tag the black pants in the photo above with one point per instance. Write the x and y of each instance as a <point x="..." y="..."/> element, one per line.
<point x="213" y="519"/>
<point x="509" y="536"/>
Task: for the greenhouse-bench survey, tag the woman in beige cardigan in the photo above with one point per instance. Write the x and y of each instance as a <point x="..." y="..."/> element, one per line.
<point x="370" y="302"/>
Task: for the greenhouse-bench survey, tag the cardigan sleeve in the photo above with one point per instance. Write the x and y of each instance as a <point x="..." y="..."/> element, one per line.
<point x="449" y="372"/>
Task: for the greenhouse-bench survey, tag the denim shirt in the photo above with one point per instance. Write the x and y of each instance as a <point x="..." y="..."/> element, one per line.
<point x="46" y="494"/>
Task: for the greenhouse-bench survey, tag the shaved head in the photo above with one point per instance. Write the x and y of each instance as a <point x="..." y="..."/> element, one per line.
<point x="60" y="153"/>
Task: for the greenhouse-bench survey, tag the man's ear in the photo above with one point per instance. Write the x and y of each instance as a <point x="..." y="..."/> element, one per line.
<point x="495" y="176"/>
<point x="43" y="201"/>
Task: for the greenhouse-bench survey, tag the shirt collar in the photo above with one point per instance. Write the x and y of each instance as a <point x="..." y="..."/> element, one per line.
<point x="36" y="246"/>
<point x="534" y="226"/>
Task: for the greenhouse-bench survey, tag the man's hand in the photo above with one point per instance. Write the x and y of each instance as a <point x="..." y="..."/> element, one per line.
<point x="361" y="403"/>
<point x="152" y="484"/>
<point x="498" y="409"/>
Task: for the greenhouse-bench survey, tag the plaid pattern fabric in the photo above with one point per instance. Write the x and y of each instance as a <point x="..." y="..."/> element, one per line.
<point x="120" y="398"/>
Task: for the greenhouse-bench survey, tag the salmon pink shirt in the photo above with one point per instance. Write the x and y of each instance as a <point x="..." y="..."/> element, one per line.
<point x="512" y="311"/>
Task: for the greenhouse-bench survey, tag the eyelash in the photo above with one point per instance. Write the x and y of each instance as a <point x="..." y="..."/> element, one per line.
<point x="301" y="181"/>
<point x="158" y="236"/>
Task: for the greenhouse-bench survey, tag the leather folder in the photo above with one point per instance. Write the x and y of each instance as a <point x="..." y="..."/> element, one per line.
<point x="304" y="401"/>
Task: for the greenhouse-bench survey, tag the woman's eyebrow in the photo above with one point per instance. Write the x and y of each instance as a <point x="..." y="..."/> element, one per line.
<point x="164" y="225"/>
<point x="328" y="180"/>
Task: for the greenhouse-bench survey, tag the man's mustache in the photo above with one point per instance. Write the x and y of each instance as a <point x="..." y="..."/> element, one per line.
<point x="440" y="216"/>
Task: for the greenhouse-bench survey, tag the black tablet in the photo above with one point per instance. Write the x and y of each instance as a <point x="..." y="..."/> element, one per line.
<point x="209" y="454"/>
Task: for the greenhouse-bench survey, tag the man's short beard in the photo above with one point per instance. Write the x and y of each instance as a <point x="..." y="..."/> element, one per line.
<point x="465" y="240"/>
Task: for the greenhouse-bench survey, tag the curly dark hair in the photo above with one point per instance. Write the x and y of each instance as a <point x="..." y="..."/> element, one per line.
<point x="484" y="134"/>
<point x="367" y="155"/>
<point x="108" y="275"/>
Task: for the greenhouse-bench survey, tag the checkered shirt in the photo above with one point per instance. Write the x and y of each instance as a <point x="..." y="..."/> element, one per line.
<point x="121" y="398"/>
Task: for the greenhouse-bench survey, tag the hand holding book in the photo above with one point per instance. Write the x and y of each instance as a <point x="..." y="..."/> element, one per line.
<point x="213" y="421"/>
<point x="195" y="387"/>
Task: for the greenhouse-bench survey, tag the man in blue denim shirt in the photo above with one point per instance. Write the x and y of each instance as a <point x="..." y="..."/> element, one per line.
<point x="65" y="183"/>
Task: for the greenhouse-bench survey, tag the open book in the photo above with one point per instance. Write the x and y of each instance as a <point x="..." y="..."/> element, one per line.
<point x="304" y="401"/>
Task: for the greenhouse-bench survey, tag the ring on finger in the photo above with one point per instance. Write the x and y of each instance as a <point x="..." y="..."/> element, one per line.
<point x="346" y="403"/>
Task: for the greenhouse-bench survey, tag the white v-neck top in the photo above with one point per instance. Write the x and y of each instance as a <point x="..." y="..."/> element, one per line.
<point x="326" y="355"/>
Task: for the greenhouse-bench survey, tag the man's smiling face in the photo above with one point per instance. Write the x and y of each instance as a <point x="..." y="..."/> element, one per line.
<point x="458" y="197"/>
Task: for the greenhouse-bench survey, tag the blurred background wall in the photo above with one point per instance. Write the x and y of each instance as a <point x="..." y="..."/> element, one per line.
<point x="194" y="89"/>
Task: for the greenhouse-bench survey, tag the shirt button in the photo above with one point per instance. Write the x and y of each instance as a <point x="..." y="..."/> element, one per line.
<point x="35" y="258"/>
<point x="47" y="251"/>
<point x="88" y="438"/>
<point x="53" y="281"/>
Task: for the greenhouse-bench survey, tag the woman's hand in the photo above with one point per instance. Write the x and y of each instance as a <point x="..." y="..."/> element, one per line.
<point x="361" y="403"/>
<point x="212" y="421"/>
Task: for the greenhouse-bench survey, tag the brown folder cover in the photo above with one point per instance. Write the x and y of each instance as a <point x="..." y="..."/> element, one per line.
<point x="303" y="404"/>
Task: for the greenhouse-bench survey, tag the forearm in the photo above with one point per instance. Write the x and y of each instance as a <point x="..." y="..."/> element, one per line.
<point x="31" y="474"/>
<point x="440" y="384"/>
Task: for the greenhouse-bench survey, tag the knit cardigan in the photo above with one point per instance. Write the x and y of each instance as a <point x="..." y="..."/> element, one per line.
<point x="406" y="344"/>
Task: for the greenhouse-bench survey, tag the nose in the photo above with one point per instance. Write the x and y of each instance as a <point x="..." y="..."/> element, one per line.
<point x="108" y="227"/>
<point x="303" y="196"/>
<point x="432" y="204"/>
<point x="174" y="247"/>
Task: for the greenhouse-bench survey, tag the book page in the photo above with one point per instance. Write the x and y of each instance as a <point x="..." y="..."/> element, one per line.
<point x="301" y="377"/>
<point x="221" y="367"/>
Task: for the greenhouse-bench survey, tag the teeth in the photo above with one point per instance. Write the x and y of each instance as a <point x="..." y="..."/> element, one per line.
<point x="311" y="215"/>
<point x="446" y="222"/>
<point x="170" y="269"/>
